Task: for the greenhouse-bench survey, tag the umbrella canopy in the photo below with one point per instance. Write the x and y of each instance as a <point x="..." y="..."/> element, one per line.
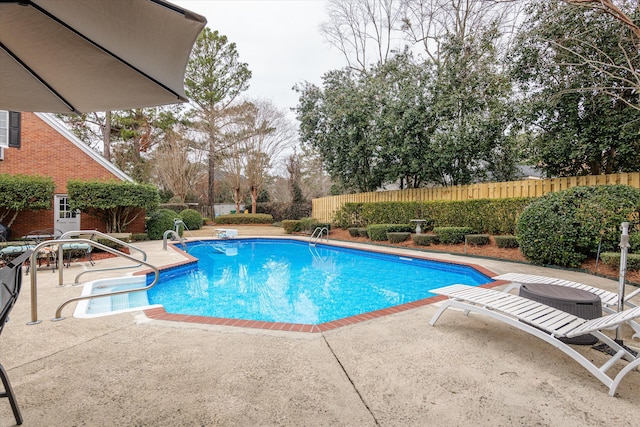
<point x="64" y="56"/>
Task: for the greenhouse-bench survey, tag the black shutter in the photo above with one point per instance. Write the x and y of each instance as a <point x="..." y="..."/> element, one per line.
<point x="14" y="129"/>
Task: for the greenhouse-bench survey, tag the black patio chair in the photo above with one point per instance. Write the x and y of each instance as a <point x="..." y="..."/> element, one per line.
<point x="10" y="284"/>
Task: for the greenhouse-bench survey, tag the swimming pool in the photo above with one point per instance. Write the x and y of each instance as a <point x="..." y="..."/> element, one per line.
<point x="283" y="280"/>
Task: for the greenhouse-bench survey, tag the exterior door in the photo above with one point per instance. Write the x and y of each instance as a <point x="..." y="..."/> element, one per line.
<point x="65" y="219"/>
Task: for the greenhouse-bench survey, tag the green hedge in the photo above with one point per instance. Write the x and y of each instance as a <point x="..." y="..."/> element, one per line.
<point x="634" y="241"/>
<point x="291" y="225"/>
<point x="613" y="259"/>
<point x="353" y="231"/>
<point x="191" y="218"/>
<point x="425" y="239"/>
<point x="566" y="227"/>
<point x="161" y="221"/>
<point x="477" y="239"/>
<point x="452" y="235"/>
<point x="363" y="232"/>
<point x="244" y="219"/>
<point x="116" y="203"/>
<point x="490" y="216"/>
<point x="21" y="193"/>
<point x="378" y="232"/>
<point x="506" y="241"/>
<point x="398" y="236"/>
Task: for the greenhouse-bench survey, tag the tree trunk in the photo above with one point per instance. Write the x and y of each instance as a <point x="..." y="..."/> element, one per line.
<point x="106" y="136"/>
<point x="211" y="195"/>
<point x="254" y="198"/>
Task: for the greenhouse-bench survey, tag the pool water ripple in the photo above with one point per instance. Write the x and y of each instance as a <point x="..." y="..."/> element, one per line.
<point x="276" y="280"/>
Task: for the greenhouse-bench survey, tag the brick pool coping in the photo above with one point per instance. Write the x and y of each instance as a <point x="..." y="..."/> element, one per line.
<point x="159" y="313"/>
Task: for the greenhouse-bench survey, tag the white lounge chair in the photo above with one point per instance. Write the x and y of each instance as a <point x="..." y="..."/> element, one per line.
<point x="547" y="323"/>
<point x="609" y="299"/>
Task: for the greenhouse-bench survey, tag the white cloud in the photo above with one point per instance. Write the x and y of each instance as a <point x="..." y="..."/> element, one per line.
<point x="278" y="39"/>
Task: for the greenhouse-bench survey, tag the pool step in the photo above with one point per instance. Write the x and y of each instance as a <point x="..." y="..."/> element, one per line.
<point x="125" y="301"/>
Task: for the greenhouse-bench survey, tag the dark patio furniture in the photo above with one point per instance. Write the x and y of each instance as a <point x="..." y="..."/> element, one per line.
<point x="574" y="301"/>
<point x="10" y="284"/>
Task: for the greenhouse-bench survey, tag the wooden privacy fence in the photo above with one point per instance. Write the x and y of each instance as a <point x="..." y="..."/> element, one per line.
<point x="324" y="208"/>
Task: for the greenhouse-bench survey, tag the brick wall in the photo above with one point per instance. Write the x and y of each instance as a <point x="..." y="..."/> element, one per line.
<point x="45" y="152"/>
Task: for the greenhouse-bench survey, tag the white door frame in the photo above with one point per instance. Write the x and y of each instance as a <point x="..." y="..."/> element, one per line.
<point x="64" y="219"/>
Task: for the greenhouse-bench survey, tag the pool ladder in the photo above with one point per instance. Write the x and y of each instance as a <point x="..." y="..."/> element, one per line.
<point x="77" y="237"/>
<point x="317" y="235"/>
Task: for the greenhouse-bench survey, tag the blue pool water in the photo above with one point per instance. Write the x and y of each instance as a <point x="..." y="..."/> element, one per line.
<point x="289" y="281"/>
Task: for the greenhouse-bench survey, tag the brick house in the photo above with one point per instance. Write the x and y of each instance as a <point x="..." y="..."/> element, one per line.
<point x="48" y="148"/>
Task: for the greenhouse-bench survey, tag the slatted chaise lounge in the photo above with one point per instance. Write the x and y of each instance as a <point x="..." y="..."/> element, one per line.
<point x="547" y="323"/>
<point x="609" y="299"/>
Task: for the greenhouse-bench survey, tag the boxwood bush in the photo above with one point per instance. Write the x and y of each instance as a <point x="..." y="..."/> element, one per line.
<point x="492" y="216"/>
<point x="564" y="228"/>
<point x="244" y="219"/>
<point x="353" y="231"/>
<point x="159" y="222"/>
<point x="452" y="235"/>
<point x="398" y="236"/>
<point x="613" y="259"/>
<point x="506" y="241"/>
<point x="362" y="232"/>
<point x="424" y="239"/>
<point x="634" y="241"/>
<point x="378" y="232"/>
<point x="291" y="225"/>
<point x="477" y="239"/>
<point x="191" y="218"/>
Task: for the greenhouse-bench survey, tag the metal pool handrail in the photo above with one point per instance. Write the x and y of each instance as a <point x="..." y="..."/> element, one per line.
<point x="34" y="273"/>
<point x="317" y="235"/>
<point x="103" y="236"/>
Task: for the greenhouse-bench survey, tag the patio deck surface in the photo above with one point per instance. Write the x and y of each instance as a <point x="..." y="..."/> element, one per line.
<point x="395" y="370"/>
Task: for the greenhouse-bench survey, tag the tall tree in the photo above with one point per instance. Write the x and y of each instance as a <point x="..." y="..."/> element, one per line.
<point x="336" y="121"/>
<point x="363" y="31"/>
<point x="214" y="79"/>
<point x="178" y="166"/>
<point x="582" y="119"/>
<point x="430" y="23"/>
<point x="270" y="133"/>
<point x="474" y="135"/>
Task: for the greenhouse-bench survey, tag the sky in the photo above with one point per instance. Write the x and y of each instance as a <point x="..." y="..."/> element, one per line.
<point x="278" y="39"/>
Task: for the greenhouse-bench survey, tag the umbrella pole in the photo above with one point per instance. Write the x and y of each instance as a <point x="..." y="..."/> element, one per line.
<point x="624" y="248"/>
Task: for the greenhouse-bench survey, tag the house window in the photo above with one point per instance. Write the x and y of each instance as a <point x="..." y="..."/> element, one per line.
<point x="65" y="211"/>
<point x="9" y="129"/>
<point x="4" y="128"/>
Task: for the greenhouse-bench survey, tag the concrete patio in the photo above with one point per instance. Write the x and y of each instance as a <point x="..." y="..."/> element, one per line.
<point x="128" y="370"/>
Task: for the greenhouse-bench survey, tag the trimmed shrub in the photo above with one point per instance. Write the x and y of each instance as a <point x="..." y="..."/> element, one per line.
<point x="613" y="259"/>
<point x="108" y="243"/>
<point x="244" y="219"/>
<point x="398" y="236"/>
<point x="308" y="224"/>
<point x="291" y="225"/>
<point x="362" y="232"/>
<point x="115" y="203"/>
<point x="452" y="235"/>
<point x="565" y="227"/>
<point x="490" y="216"/>
<point x="634" y="241"/>
<point x="378" y="232"/>
<point x="353" y="231"/>
<point x="506" y="241"/>
<point x="477" y="239"/>
<point x="139" y="237"/>
<point x="425" y="239"/>
<point x="159" y="222"/>
<point x="191" y="218"/>
<point x="176" y="207"/>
